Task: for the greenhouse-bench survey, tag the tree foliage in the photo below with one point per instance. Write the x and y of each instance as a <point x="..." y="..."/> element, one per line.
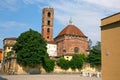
<point x="30" y="48"/>
<point x="63" y="63"/>
<point x="97" y="46"/>
<point x="48" y="65"/>
<point x="77" y="61"/>
<point x="94" y="58"/>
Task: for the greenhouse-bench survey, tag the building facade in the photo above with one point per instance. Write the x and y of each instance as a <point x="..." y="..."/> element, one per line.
<point x="110" y="35"/>
<point x="52" y="49"/>
<point x="8" y="45"/>
<point x="71" y="40"/>
<point x="47" y="30"/>
<point x="9" y="59"/>
<point x="47" y="24"/>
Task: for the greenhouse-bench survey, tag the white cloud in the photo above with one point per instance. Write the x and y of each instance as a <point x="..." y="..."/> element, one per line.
<point x="33" y="1"/>
<point x="9" y="4"/>
<point x="11" y="24"/>
<point x="109" y="4"/>
<point x="84" y="17"/>
<point x="13" y="28"/>
<point x="86" y="14"/>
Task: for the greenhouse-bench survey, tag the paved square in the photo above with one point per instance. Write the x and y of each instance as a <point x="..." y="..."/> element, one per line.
<point x="47" y="77"/>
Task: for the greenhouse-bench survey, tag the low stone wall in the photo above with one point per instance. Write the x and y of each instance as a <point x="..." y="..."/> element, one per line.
<point x="86" y="69"/>
<point x="17" y="69"/>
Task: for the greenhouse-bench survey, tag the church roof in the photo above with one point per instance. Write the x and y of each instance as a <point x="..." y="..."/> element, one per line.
<point x="71" y="30"/>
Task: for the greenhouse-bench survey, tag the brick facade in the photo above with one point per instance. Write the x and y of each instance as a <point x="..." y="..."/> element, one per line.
<point x="71" y="40"/>
<point x="47" y="24"/>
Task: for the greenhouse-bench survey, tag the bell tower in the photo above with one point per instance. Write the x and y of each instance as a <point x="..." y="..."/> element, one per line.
<point x="47" y="24"/>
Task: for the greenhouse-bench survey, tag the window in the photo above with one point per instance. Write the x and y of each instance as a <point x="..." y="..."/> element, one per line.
<point x="8" y="47"/>
<point x="48" y="30"/>
<point x="49" y="14"/>
<point x="42" y="22"/>
<point x="48" y="22"/>
<point x="76" y="49"/>
<point x="47" y="37"/>
<point x="43" y="12"/>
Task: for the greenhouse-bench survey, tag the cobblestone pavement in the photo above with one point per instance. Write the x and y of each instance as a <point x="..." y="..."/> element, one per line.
<point x="47" y="77"/>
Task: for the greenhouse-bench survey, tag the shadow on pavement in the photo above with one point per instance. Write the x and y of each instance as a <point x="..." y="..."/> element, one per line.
<point x="3" y="78"/>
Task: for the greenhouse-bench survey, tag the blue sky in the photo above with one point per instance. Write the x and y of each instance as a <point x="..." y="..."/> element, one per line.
<point x="17" y="16"/>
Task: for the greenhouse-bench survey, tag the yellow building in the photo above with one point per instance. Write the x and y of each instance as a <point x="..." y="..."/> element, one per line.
<point x="9" y="61"/>
<point x="8" y="44"/>
<point x="110" y="35"/>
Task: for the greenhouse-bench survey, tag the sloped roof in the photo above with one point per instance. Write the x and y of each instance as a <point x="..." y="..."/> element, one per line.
<point x="72" y="30"/>
<point x="11" y="38"/>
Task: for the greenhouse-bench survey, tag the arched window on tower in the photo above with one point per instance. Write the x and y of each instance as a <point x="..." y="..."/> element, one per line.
<point x="43" y="12"/>
<point x="48" y="30"/>
<point x="76" y="50"/>
<point x="49" y="14"/>
<point x="48" y="22"/>
<point x="47" y="37"/>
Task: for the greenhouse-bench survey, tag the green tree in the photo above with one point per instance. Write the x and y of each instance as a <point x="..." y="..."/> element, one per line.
<point x="97" y="46"/>
<point x="77" y="61"/>
<point x="30" y="49"/>
<point x="48" y="65"/>
<point x="63" y="63"/>
<point x="94" y="58"/>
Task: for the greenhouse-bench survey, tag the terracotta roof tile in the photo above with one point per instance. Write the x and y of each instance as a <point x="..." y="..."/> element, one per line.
<point x="51" y="42"/>
<point x="71" y="29"/>
<point x="11" y="38"/>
